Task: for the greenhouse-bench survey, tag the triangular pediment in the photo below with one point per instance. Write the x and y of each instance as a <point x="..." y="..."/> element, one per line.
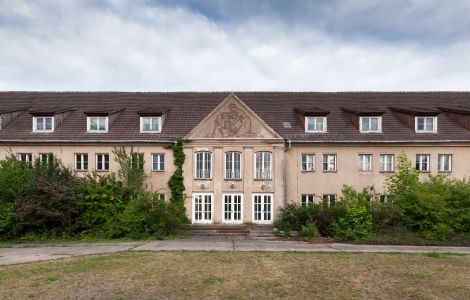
<point x="232" y="119"/>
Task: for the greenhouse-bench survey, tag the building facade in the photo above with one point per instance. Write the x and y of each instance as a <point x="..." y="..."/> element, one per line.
<point x="247" y="154"/>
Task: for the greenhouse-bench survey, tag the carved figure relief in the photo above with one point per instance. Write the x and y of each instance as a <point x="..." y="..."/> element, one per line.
<point x="233" y="122"/>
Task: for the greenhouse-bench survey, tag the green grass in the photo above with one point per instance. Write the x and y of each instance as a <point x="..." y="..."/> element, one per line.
<point x="241" y="275"/>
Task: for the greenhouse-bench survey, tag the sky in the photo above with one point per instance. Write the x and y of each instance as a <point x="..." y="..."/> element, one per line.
<point x="236" y="45"/>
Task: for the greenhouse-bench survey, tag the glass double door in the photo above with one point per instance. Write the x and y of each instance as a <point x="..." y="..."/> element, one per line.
<point x="232" y="208"/>
<point x="263" y="207"/>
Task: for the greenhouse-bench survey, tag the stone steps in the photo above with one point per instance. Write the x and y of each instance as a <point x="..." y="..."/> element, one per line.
<point x="231" y="230"/>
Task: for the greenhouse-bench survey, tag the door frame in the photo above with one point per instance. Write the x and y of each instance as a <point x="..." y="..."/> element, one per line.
<point x="253" y="208"/>
<point x="193" y="220"/>
<point x="224" y="221"/>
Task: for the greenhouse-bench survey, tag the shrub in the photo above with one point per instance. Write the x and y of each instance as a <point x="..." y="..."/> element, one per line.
<point x="357" y="223"/>
<point x="309" y="231"/>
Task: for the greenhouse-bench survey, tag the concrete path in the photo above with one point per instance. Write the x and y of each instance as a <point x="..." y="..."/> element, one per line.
<point x="21" y="254"/>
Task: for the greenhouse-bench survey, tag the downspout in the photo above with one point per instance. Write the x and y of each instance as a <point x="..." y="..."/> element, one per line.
<point x="284" y="177"/>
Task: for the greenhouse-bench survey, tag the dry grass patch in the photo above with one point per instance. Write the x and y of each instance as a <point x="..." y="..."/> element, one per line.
<point x="238" y="275"/>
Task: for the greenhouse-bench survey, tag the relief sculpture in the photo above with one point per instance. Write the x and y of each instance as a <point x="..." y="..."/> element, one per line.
<point x="233" y="122"/>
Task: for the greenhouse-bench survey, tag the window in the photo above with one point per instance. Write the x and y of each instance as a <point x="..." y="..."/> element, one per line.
<point x="158" y="162"/>
<point x="387" y="162"/>
<point x="46" y="158"/>
<point x="161" y="196"/>
<point x="97" y="124"/>
<point x="329" y="162"/>
<point x="422" y="162"/>
<point x="307" y="162"/>
<point x="383" y="198"/>
<point x="315" y="124"/>
<point x="233" y="165"/>
<point x="26" y="158"/>
<point x="307" y="199"/>
<point x="43" y="124"/>
<point x="426" y="124"/>
<point x="329" y="200"/>
<point x="365" y="162"/>
<point x="102" y="162"/>
<point x="444" y="162"/>
<point x="370" y="124"/>
<point x="263" y="165"/>
<point x="150" y="124"/>
<point x="137" y="161"/>
<point x="81" y="162"/>
<point x="203" y="165"/>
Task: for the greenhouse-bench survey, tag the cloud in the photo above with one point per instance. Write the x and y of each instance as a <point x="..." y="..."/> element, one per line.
<point x="159" y="46"/>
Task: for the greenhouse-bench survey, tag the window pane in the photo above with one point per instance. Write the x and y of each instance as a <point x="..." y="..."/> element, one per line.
<point x="429" y="124"/>
<point x="48" y="124"/>
<point x="93" y="124"/>
<point x="40" y="123"/>
<point x="374" y="124"/>
<point x="365" y="124"/>
<point x="420" y="123"/>
<point x="102" y="124"/>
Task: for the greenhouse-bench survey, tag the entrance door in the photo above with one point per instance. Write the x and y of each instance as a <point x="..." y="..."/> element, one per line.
<point x="203" y="208"/>
<point x="232" y="208"/>
<point x="263" y="208"/>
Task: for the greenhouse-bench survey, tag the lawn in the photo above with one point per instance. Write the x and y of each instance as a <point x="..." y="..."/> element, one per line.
<point x="238" y="275"/>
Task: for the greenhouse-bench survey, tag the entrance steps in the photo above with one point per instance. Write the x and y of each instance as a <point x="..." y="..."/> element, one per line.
<point x="259" y="231"/>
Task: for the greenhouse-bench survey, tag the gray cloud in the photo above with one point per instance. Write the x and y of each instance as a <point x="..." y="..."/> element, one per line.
<point x="142" y="45"/>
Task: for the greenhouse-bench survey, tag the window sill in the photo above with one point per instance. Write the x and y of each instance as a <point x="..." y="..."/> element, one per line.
<point x="81" y="171"/>
<point x="444" y="172"/>
<point x="307" y="171"/>
<point x="203" y="179"/>
<point x="158" y="171"/>
<point x="387" y="172"/>
<point x="423" y="171"/>
<point x="260" y="179"/>
<point x="233" y="179"/>
<point x="329" y="171"/>
<point x="102" y="171"/>
<point x="150" y="131"/>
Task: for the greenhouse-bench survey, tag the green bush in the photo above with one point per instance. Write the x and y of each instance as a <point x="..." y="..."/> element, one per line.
<point x="309" y="231"/>
<point x="356" y="224"/>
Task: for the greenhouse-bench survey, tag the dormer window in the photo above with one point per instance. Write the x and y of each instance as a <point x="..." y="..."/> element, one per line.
<point x="97" y="124"/>
<point x="426" y="124"/>
<point x="370" y="124"/>
<point x="315" y="124"/>
<point x="43" y="124"/>
<point x="150" y="124"/>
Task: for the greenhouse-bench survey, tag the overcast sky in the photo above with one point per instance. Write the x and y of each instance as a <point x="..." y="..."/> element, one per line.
<point x="208" y="45"/>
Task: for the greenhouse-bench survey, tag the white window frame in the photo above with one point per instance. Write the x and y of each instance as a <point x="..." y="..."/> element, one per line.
<point x="203" y="171"/>
<point x="434" y="124"/>
<point x="309" y="199"/>
<point x="362" y="166"/>
<point x="263" y="203"/>
<point x="327" y="156"/>
<point x="88" y="124"/>
<point x="419" y="162"/>
<point x="49" y="156"/>
<point x="232" y="195"/>
<point x="35" y="124"/>
<point x="103" y="162"/>
<point x="383" y="198"/>
<point x="159" y="118"/>
<point x="82" y="164"/>
<point x="315" y="130"/>
<point x="28" y="156"/>
<point x="379" y="124"/>
<point x="328" y="198"/>
<point x="233" y="174"/>
<point x="159" y="162"/>
<point x="440" y="163"/>
<point x="263" y="171"/>
<point x="212" y="211"/>
<point x="310" y="162"/>
<point x="383" y="163"/>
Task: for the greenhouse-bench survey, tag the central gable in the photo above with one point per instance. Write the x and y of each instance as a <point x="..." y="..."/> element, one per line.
<point x="233" y="119"/>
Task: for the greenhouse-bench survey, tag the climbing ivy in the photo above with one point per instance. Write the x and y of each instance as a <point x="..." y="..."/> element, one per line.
<point x="176" y="182"/>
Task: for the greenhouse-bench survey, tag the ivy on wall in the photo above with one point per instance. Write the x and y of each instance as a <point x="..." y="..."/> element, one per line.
<point x="176" y="182"/>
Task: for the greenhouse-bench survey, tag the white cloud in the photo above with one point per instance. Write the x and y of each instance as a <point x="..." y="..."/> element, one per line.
<point x="131" y="46"/>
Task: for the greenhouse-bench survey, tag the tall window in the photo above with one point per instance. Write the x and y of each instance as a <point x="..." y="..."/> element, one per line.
<point x="329" y="200"/>
<point x="365" y="162"/>
<point x="233" y="165"/>
<point x="444" y="162"/>
<point x="422" y="162"/>
<point x="387" y="162"/>
<point x="26" y="158"/>
<point x="46" y="158"/>
<point x="158" y="162"/>
<point x="263" y="165"/>
<point x="203" y="165"/>
<point x="370" y="124"/>
<point x="329" y="162"/>
<point x="137" y="161"/>
<point x="97" y="124"/>
<point x="315" y="124"/>
<point x="150" y="124"/>
<point x="81" y="162"/>
<point x="43" y="124"/>
<point x="102" y="162"/>
<point x="426" y="124"/>
<point x="307" y="199"/>
<point x="383" y="198"/>
<point x="307" y="162"/>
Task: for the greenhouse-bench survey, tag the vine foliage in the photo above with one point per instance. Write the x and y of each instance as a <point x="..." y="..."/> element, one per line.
<point x="176" y="182"/>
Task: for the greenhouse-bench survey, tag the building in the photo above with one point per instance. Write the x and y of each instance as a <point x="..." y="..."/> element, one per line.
<point x="247" y="153"/>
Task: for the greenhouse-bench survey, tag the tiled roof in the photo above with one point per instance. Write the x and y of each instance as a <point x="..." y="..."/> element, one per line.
<point x="184" y="111"/>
